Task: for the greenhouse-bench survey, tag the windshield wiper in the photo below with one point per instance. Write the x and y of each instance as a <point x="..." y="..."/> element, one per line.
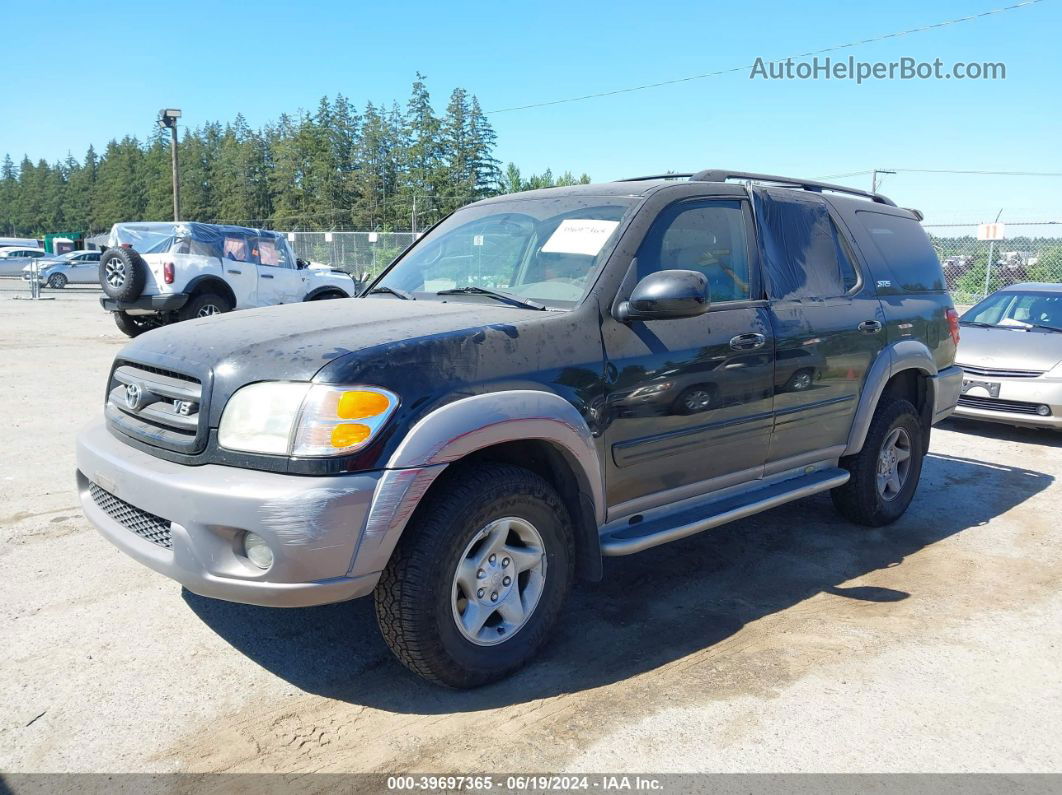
<point x="512" y="300"/>
<point x="383" y="288"/>
<point x="1044" y="326"/>
<point x="976" y="323"/>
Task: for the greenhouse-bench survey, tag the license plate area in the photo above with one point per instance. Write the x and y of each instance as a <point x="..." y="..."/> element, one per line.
<point x="980" y="388"/>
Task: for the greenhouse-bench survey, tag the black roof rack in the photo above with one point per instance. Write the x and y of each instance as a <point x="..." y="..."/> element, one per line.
<point x="656" y="176"/>
<point x="720" y="175"/>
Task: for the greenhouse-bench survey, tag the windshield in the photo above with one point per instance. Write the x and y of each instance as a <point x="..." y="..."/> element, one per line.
<point x="1018" y="310"/>
<point x="545" y="250"/>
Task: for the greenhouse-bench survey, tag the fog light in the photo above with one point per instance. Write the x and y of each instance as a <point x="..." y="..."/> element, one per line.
<point x="1043" y="411"/>
<point x="257" y="551"/>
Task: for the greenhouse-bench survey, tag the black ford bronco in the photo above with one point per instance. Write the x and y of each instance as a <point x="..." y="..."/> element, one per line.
<point x="541" y="380"/>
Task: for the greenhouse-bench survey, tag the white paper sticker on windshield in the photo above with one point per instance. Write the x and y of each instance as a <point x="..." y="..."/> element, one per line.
<point x="579" y="236"/>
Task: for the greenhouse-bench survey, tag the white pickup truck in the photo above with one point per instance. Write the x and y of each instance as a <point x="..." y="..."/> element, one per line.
<point x="154" y="273"/>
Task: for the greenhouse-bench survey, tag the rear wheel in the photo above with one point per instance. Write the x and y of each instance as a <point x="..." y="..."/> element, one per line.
<point x="133" y="326"/>
<point x="204" y="305"/>
<point x="479" y="576"/>
<point x="885" y="472"/>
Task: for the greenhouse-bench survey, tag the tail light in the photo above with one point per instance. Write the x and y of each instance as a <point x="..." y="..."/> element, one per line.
<point x="953" y="325"/>
<point x="167" y="274"/>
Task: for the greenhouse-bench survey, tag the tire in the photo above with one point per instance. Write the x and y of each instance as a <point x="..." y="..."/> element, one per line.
<point x="133" y="326"/>
<point x="419" y="595"/>
<point x="57" y="281"/>
<point x="204" y="305"/>
<point x="123" y="273"/>
<point x="861" y="499"/>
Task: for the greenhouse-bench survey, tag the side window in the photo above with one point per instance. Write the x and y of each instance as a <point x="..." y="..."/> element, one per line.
<point x="806" y="257"/>
<point x="906" y="249"/>
<point x="705" y="236"/>
<point x="271" y="253"/>
<point x="236" y="248"/>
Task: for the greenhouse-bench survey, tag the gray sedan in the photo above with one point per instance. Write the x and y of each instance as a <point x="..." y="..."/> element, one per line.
<point x="1010" y="351"/>
<point x="74" y="267"/>
<point x="14" y="258"/>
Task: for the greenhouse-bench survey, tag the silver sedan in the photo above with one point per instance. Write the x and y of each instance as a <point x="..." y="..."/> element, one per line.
<point x="1011" y="354"/>
<point x="74" y="267"/>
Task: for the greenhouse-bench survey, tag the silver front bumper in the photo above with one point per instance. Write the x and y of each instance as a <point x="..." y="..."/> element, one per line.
<point x="1039" y="391"/>
<point x="311" y="524"/>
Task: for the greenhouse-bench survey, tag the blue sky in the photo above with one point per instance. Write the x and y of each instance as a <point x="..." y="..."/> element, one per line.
<point x="93" y="71"/>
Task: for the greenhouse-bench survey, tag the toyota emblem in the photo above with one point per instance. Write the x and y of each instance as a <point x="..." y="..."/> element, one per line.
<point x="132" y="396"/>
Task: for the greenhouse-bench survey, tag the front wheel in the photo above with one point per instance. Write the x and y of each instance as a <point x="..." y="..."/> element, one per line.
<point x="479" y="576"/>
<point x="884" y="474"/>
<point x="57" y="281"/>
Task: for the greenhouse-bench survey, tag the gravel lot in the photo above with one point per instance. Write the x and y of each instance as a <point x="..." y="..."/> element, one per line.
<point x="789" y="642"/>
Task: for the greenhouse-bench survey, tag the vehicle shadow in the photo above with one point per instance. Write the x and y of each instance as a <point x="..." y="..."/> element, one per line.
<point x="1006" y="433"/>
<point x="651" y="609"/>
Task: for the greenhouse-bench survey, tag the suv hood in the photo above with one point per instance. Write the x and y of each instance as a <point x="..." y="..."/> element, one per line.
<point x="293" y="342"/>
<point x="1009" y="349"/>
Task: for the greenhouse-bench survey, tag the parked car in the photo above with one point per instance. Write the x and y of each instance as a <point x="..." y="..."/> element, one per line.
<point x="156" y="273"/>
<point x="74" y="267"/>
<point x="1011" y="356"/>
<point x="13" y="259"/>
<point x="450" y="442"/>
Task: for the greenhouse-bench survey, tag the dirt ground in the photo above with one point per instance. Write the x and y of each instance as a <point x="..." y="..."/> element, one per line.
<point x="791" y="641"/>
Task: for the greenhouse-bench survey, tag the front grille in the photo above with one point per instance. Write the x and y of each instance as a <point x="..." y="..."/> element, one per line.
<point x="146" y="525"/>
<point x="995" y="404"/>
<point x="160" y="407"/>
<point x="998" y="373"/>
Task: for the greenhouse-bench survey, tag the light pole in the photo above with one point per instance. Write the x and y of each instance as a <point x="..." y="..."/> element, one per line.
<point x="168" y="119"/>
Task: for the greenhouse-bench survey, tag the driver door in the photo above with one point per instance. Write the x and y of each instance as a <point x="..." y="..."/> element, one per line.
<point x="690" y="401"/>
<point x="279" y="281"/>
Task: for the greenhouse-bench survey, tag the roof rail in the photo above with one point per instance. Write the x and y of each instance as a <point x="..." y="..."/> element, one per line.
<point x="720" y="175"/>
<point x="656" y="176"/>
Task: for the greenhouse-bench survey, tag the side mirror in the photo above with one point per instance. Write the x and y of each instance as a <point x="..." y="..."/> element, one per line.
<point x="667" y="295"/>
<point x="301" y="264"/>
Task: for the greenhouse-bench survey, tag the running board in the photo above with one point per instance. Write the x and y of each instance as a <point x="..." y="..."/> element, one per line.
<point x="638" y="537"/>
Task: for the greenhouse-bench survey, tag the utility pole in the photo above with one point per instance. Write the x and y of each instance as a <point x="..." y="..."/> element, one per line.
<point x="168" y="119"/>
<point x="874" y="178"/>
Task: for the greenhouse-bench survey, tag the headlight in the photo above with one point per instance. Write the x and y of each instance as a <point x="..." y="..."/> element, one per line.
<point x="281" y="418"/>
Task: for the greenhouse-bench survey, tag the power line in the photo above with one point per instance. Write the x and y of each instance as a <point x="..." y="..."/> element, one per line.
<point x="661" y="83"/>
<point x="983" y="173"/>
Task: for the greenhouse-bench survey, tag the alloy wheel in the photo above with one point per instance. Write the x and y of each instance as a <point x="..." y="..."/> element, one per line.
<point x="894" y="463"/>
<point x="498" y="581"/>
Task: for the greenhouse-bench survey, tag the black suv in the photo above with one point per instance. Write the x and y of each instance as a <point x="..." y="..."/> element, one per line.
<point x="541" y="380"/>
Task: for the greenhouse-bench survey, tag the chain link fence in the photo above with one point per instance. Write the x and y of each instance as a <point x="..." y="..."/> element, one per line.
<point x="361" y="254"/>
<point x="975" y="268"/>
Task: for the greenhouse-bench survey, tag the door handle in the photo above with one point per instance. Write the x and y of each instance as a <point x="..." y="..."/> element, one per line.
<point x="266" y="275"/>
<point x="233" y="270"/>
<point x="869" y="327"/>
<point x="747" y="342"/>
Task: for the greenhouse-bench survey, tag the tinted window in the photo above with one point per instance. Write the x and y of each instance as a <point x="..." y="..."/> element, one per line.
<point x="805" y="255"/>
<point x="704" y="236"/>
<point x="906" y="249"/>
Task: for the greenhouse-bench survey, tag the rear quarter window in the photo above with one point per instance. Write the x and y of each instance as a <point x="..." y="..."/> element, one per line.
<point x="904" y="246"/>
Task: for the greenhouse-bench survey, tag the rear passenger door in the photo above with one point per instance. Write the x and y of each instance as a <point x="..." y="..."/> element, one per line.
<point x="827" y="321"/>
